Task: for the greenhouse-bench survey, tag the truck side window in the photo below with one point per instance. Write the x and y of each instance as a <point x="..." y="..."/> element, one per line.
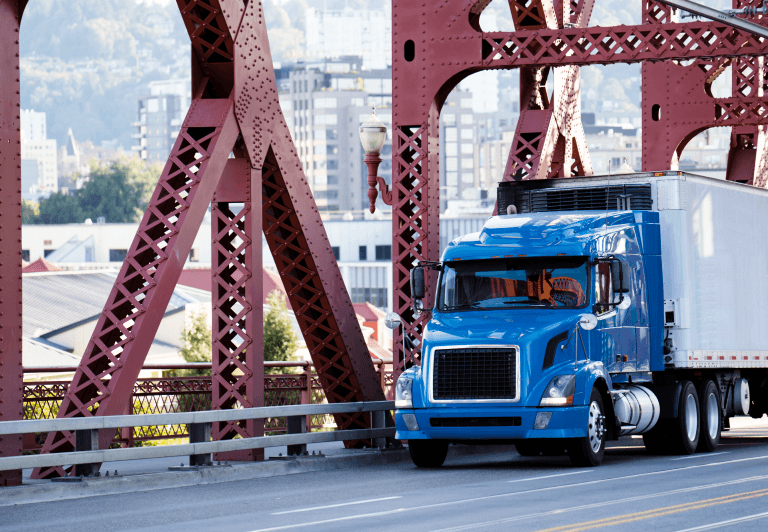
<point x="603" y="287"/>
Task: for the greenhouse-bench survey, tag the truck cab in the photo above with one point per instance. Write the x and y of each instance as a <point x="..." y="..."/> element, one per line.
<point x="537" y="321"/>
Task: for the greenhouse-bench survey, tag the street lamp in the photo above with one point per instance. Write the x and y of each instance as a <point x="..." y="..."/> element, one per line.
<point x="373" y="133"/>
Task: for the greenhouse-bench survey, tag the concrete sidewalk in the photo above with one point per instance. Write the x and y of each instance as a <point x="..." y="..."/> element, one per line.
<point x="154" y="474"/>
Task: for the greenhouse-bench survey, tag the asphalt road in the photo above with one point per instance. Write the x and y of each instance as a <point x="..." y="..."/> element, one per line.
<point x="503" y="491"/>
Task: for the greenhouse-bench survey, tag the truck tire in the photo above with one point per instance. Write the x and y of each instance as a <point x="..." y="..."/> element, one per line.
<point x="589" y="450"/>
<point x="711" y="418"/>
<point x="687" y="427"/>
<point x="428" y="453"/>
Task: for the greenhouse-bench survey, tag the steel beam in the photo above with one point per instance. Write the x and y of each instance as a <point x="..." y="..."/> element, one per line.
<point x="124" y="332"/>
<point x="237" y="328"/>
<point x="11" y="376"/>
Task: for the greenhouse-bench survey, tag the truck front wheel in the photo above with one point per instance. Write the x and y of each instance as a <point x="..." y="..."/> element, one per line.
<point x="589" y="451"/>
<point x="428" y="453"/>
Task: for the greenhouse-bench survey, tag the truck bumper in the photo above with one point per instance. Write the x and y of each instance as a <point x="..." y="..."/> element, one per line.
<point x="566" y="422"/>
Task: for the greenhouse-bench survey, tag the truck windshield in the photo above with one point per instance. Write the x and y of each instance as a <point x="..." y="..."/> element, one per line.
<point x="521" y="282"/>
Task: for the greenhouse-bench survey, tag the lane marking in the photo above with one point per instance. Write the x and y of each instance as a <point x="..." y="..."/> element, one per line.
<point x="711" y="526"/>
<point x="336" y="505"/>
<point x="500" y="495"/>
<point x="495" y="524"/>
<point x="658" y="512"/>
<point x="702" y="455"/>
<point x="553" y="476"/>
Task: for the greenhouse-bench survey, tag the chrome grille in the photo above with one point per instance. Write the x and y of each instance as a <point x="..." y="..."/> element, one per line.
<point x="474" y="374"/>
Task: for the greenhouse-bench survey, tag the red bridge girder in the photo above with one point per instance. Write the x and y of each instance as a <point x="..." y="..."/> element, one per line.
<point x="235" y="110"/>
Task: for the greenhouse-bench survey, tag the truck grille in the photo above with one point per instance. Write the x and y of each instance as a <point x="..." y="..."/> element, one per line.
<point x="474" y="373"/>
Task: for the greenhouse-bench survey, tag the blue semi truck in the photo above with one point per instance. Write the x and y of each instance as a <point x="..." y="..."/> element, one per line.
<point x="600" y="307"/>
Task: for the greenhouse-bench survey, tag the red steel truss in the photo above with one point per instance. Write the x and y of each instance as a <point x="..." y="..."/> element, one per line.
<point x="552" y="39"/>
<point x="235" y="110"/>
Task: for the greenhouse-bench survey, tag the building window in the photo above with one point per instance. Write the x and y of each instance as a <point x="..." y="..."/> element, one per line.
<point x="117" y="255"/>
<point x="383" y="252"/>
<point x="47" y="252"/>
<point x="363" y="253"/>
<point x="25" y="255"/>
<point x="194" y="255"/>
<point x="336" y="252"/>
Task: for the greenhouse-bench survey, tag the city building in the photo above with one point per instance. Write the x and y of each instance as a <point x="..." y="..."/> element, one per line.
<point x="160" y="116"/>
<point x="363" y="32"/>
<point x="324" y="105"/>
<point x="38" y="156"/>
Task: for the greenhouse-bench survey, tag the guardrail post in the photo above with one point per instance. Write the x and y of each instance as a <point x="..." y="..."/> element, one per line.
<point x="306" y="392"/>
<point x="378" y="420"/>
<point x="200" y="433"/>
<point x="297" y="425"/>
<point x="86" y="440"/>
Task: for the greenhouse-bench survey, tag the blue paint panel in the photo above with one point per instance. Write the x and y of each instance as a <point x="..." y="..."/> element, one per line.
<point x="655" y="298"/>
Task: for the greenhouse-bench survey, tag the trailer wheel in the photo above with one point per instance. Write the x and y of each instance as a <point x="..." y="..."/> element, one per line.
<point x="711" y="417"/>
<point x="589" y="450"/>
<point x="428" y="453"/>
<point x="687" y="426"/>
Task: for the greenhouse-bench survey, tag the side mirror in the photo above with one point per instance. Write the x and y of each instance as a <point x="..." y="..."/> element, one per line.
<point x="620" y="276"/>
<point x="418" y="290"/>
<point x="588" y="322"/>
<point x="392" y="321"/>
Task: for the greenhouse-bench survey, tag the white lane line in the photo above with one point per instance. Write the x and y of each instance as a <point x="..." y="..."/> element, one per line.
<point x="601" y="504"/>
<point x="336" y="505"/>
<point x="553" y="476"/>
<point x="712" y="526"/>
<point x="701" y="455"/>
<point x="512" y="494"/>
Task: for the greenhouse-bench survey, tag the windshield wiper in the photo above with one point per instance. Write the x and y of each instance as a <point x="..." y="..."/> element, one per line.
<point x="476" y="304"/>
<point x="531" y="303"/>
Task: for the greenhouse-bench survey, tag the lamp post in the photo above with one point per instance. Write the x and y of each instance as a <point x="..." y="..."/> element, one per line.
<point x="373" y="133"/>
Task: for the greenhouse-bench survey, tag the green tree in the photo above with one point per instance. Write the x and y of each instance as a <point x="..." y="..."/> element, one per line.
<point x="30" y="212"/>
<point x="280" y="342"/>
<point x="119" y="191"/>
<point x="197" y="345"/>
<point x="60" y="209"/>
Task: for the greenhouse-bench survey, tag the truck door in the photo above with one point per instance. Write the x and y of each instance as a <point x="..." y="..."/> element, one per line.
<point x="617" y="327"/>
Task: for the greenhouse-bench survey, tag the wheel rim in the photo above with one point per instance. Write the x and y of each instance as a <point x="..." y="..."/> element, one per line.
<point x="596" y="426"/>
<point x="691" y="417"/>
<point x="713" y="419"/>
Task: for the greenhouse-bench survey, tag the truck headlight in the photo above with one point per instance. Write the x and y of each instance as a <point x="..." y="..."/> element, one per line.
<point x="404" y="392"/>
<point x="559" y="391"/>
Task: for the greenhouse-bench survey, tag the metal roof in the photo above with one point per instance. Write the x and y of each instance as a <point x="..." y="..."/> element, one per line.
<point x="53" y="300"/>
<point x="38" y="355"/>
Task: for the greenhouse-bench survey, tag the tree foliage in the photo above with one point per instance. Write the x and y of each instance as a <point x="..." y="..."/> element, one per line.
<point x="280" y="342"/>
<point x="197" y="345"/>
<point x="118" y="191"/>
<point x="29" y="211"/>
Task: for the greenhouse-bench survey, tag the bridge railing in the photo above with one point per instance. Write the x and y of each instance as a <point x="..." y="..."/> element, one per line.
<point x="87" y="454"/>
<point x="295" y="384"/>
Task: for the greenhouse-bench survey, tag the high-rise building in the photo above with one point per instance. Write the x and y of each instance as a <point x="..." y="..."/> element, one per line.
<point x="160" y="116"/>
<point x="324" y="105"/>
<point x="363" y="32"/>
<point x="38" y="155"/>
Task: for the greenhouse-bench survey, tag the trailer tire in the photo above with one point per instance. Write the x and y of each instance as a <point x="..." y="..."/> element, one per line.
<point x="711" y="417"/>
<point x="428" y="453"/>
<point x="589" y="450"/>
<point x="687" y="426"/>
